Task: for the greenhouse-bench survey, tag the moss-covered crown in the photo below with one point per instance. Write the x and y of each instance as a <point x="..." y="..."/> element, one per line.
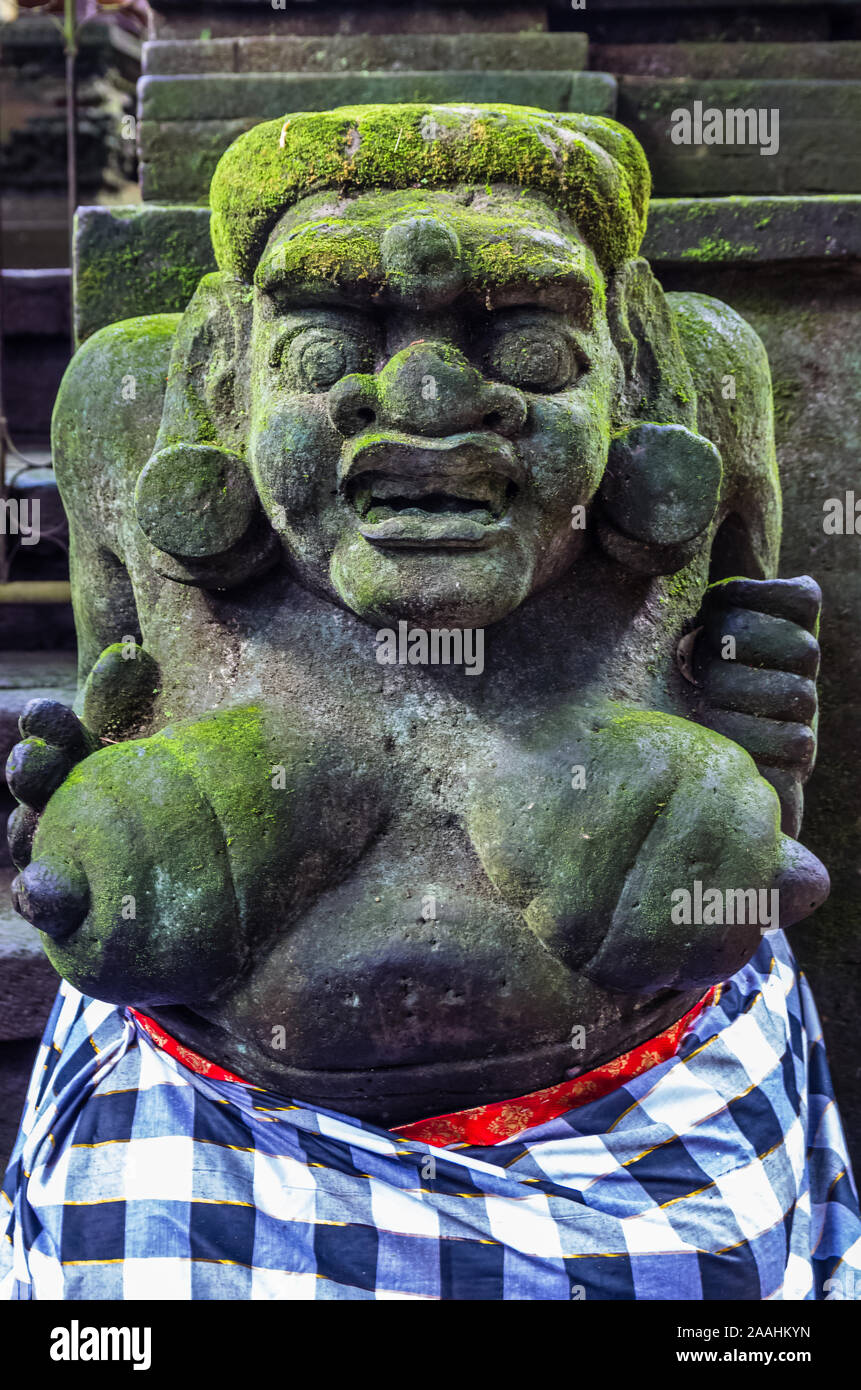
<point x="589" y="166"/>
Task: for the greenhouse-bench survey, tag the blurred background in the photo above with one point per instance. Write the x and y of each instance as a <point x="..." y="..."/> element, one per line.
<point x="121" y="112"/>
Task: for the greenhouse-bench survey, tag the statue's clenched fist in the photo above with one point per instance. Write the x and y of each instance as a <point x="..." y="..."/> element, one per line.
<point x="757" y="659"/>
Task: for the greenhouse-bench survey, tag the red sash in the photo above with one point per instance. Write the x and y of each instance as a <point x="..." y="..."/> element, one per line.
<point x="488" y="1124"/>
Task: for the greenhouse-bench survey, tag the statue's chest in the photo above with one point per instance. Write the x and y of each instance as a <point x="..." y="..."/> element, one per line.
<point x="472" y="816"/>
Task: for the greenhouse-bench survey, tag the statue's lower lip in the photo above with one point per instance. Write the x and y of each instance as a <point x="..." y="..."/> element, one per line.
<point x="431" y="533"/>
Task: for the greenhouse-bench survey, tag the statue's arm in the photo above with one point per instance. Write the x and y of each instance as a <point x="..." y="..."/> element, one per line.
<point x="755" y="657"/>
<point x="104" y="427"/>
<point x="156" y="868"/>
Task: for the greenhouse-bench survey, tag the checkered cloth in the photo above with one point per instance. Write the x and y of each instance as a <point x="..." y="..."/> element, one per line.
<point x="721" y="1173"/>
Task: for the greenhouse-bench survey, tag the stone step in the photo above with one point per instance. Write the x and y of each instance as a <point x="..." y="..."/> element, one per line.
<point x="121" y="252"/>
<point x="239" y="18"/>
<point x="712" y="61"/>
<point x="818" y="149"/>
<point x="266" y="95"/>
<point x="137" y="260"/>
<point x="753" y="231"/>
<point x="334" y="53"/>
<point x="185" y="123"/>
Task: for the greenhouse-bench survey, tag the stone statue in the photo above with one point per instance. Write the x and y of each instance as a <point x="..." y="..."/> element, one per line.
<point x="442" y="724"/>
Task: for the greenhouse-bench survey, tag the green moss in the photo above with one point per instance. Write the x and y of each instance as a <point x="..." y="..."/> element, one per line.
<point x="160" y="276"/>
<point x="718" y="249"/>
<point x="507" y="236"/>
<point x="589" y="166"/>
<point x="340" y="255"/>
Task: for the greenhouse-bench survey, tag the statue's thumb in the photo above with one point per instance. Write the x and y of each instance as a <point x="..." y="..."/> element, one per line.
<point x="802" y="882"/>
<point x="120" y="691"/>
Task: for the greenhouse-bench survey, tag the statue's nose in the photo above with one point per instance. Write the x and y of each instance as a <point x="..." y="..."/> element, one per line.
<point x="430" y="388"/>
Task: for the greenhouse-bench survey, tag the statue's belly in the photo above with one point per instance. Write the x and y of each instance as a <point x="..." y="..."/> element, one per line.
<point x="411" y="989"/>
<point x="404" y="970"/>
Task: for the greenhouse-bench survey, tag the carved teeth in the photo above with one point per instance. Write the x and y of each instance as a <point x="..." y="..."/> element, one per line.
<point x="481" y="497"/>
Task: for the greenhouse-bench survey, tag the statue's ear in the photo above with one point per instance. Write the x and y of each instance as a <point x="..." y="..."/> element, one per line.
<point x="198" y="508"/>
<point x="195" y="500"/>
<point x="204" y="401"/>
<point x="658" y="496"/>
<point x="662" y="483"/>
<point x="657" y="381"/>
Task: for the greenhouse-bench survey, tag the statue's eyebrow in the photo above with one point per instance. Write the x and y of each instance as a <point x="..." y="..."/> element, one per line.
<point x="317" y="265"/>
<point x="322" y="263"/>
<point x="568" y="290"/>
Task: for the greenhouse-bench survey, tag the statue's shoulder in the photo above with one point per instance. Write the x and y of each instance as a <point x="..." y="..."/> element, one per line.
<point x="729" y="366"/>
<point x="109" y="405"/>
<point x="708" y="325"/>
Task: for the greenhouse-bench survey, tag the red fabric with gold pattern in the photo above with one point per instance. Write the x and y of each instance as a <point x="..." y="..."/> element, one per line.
<point x="488" y="1124"/>
<point x="493" y="1124"/>
<point x="192" y="1060"/>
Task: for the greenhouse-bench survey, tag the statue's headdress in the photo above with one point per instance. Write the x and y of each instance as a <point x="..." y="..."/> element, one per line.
<point x="591" y="167"/>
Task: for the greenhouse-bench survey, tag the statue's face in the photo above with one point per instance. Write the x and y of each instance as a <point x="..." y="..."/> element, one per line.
<point x="431" y="391"/>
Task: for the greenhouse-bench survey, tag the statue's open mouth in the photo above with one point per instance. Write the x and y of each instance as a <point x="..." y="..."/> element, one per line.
<point x="430" y="493"/>
<point x="437" y="509"/>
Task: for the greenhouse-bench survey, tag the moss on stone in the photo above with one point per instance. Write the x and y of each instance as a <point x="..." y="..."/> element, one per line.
<point x="718" y="249"/>
<point x="590" y="166"/>
<point x="504" y="236"/>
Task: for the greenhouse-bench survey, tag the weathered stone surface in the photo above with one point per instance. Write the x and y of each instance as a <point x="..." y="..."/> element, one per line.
<point x="818" y="146"/>
<point x="809" y="317"/>
<point x="189" y="21"/>
<point x="178" y="158"/>
<point x="738" y="230"/>
<point x="225" y="96"/>
<point x="23" y="670"/>
<point x="685" y="231"/>
<point x="362" y="53"/>
<point x="131" y="261"/>
<point x="384" y="498"/>
<point x="713" y="61"/>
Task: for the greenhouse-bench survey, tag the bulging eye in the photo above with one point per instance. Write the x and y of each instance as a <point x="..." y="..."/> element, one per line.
<point x="318" y="357"/>
<point x="536" y="358"/>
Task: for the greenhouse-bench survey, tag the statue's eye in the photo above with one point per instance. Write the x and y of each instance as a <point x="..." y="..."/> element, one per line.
<point x="537" y="358"/>
<point x="318" y="357"/>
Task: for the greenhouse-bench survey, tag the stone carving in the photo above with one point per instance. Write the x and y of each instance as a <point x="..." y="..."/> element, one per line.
<point x="431" y="392"/>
